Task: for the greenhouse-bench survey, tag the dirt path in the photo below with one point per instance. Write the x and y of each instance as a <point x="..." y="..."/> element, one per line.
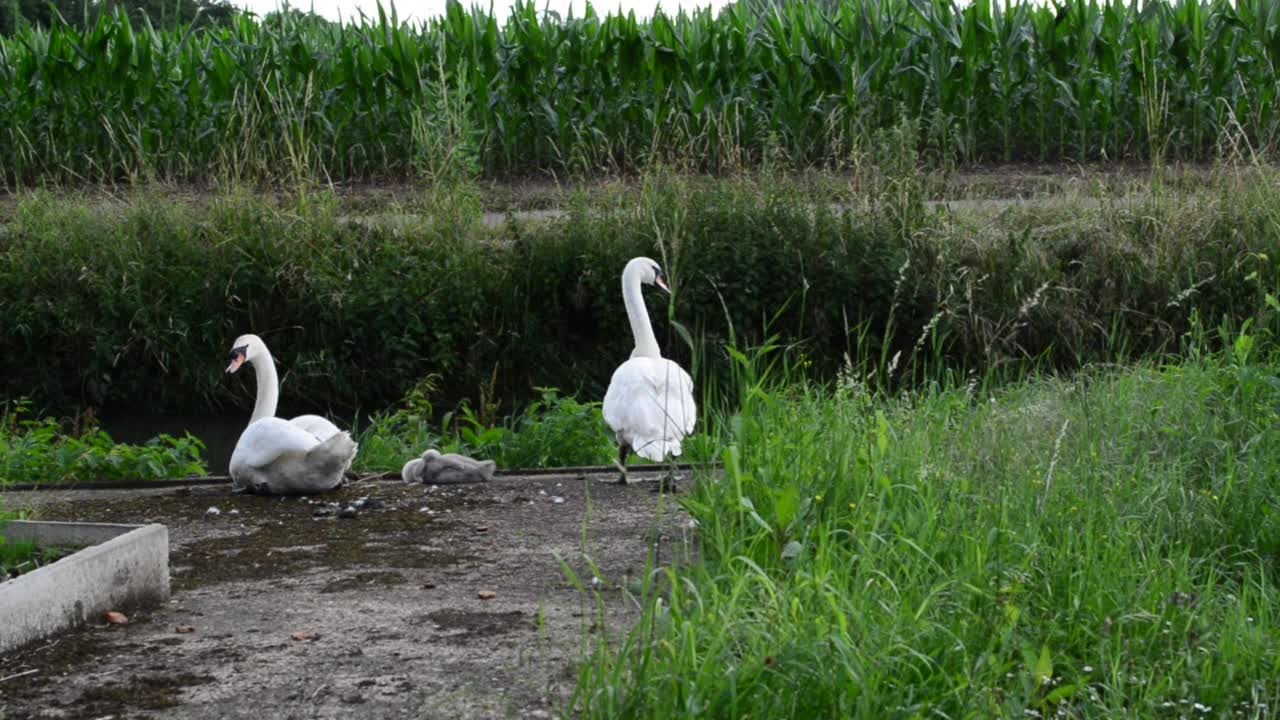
<point x="987" y="206"/>
<point x="391" y="596"/>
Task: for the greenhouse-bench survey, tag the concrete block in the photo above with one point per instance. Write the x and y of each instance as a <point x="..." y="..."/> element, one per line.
<point x="121" y="567"/>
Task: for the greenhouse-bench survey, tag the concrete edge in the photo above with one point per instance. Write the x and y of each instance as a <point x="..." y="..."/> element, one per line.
<point x="124" y="567"/>
<point x="63" y="533"/>
<point x="500" y="474"/>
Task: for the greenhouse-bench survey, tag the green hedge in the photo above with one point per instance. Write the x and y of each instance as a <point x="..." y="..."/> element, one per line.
<point x="133" y="306"/>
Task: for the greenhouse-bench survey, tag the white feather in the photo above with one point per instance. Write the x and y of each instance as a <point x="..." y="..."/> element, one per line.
<point x="650" y="407"/>
<point x="276" y="456"/>
<point x="316" y="425"/>
<point x="649" y="403"/>
<point x="307" y="454"/>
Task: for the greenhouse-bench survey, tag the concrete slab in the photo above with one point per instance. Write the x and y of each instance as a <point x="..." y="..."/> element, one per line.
<point x="450" y="602"/>
<point x="121" y="567"/>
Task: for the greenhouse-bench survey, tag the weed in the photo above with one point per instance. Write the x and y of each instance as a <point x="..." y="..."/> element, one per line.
<point x="553" y="431"/>
<point x="126" y="305"/>
<point x="1100" y="545"/>
<point x="23" y="557"/>
<point x="37" y="450"/>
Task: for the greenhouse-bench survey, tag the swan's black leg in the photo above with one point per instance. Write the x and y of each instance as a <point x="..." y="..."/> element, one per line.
<point x="667" y="484"/>
<point x="623" y="452"/>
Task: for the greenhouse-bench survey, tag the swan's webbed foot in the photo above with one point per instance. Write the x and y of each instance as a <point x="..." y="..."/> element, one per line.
<point x="253" y="489"/>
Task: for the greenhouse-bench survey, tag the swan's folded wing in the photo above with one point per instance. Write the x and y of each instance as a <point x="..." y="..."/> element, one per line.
<point x="627" y="388"/>
<point x="321" y="427"/>
<point x="270" y="439"/>
<point x="680" y="405"/>
<point x="650" y="400"/>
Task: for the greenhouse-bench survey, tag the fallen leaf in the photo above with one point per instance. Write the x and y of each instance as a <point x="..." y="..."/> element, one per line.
<point x="117" y="618"/>
<point x="304" y="635"/>
<point x="487" y="594"/>
<point x="184" y="629"/>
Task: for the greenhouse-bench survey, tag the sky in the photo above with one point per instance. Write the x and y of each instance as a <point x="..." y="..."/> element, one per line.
<point x="418" y="10"/>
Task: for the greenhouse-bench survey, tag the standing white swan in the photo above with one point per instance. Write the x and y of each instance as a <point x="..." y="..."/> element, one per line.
<point x="307" y="454"/>
<point x="649" y="403"/>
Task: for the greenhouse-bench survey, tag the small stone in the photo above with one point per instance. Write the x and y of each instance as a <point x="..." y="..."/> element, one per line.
<point x="424" y="508"/>
<point x="213" y="511"/>
<point x="353" y="698"/>
<point x="234" y="511"/>
<point x="117" y="618"/>
<point x="482" y="529"/>
<point x="428" y="586"/>
<point x="181" y="629"/>
<point x="347" y="513"/>
<point x="557" y="499"/>
<point x="486" y="594"/>
<point x="305" y="635"/>
<point x="324" y="511"/>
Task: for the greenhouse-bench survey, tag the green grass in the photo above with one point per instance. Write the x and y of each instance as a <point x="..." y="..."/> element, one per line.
<point x="552" y="431"/>
<point x="1102" y="545"/>
<point x="40" y="450"/>
<point x="18" y="558"/>
<point x="754" y="85"/>
<point x="23" y="557"/>
<point x="128" y="305"/>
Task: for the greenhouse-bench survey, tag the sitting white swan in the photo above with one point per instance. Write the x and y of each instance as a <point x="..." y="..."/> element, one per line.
<point x="307" y="454"/>
<point x="434" y="468"/>
<point x="649" y="403"/>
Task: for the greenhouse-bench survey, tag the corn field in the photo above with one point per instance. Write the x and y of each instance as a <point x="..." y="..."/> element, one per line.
<point x="293" y="97"/>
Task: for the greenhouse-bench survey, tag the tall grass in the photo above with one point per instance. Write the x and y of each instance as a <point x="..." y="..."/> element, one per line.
<point x="1101" y="546"/>
<point x="803" y="82"/>
<point x="38" y="449"/>
<point x="128" y="305"/>
<point x="552" y="431"/>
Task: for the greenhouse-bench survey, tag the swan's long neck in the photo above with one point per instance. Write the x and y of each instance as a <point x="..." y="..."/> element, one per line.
<point x="641" y="328"/>
<point x="264" y="368"/>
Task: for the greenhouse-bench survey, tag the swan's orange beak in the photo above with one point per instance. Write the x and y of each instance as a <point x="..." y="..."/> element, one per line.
<point x="237" y="359"/>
